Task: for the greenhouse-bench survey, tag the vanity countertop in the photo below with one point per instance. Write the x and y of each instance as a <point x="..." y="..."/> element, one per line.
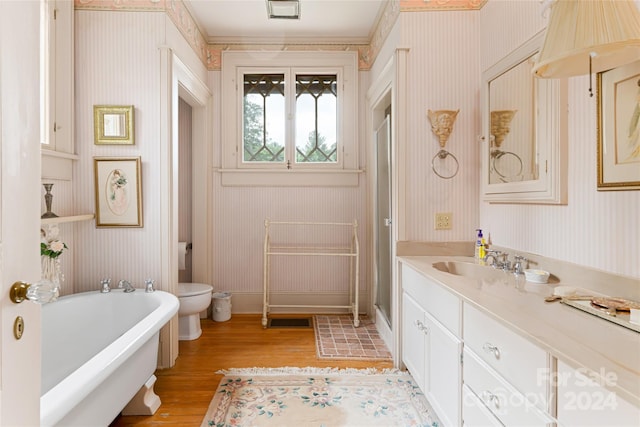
<point x="577" y="338"/>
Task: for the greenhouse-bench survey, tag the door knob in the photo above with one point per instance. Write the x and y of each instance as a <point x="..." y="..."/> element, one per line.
<point x="387" y="222"/>
<point x="18" y="292"/>
<point x="40" y="292"/>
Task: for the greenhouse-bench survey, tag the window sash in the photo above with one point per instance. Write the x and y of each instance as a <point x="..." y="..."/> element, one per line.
<point x="291" y="139"/>
<point x="264" y="101"/>
<point x="318" y="142"/>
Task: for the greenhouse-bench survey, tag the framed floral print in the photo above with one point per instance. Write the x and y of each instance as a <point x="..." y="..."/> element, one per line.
<point x="118" y="191"/>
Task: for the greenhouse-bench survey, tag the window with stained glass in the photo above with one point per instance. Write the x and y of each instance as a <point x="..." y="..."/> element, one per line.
<point x="310" y="137"/>
<point x="289" y="118"/>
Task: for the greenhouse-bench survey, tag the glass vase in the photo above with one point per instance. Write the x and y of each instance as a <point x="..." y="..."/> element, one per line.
<point x="52" y="270"/>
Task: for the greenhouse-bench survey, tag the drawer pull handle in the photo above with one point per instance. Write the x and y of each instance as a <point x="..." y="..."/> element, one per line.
<point x="489" y="397"/>
<point x="490" y="348"/>
<point x="421" y="326"/>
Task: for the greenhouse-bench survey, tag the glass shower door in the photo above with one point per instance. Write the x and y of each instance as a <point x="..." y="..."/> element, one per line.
<point x="383" y="218"/>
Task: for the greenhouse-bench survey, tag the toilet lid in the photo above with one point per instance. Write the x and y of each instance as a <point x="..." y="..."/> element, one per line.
<point x="191" y="289"/>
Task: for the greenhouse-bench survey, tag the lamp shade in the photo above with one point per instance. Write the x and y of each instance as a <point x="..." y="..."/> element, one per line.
<point x="608" y="31"/>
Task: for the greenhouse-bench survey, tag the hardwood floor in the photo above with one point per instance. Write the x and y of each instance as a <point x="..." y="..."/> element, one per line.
<point x="187" y="389"/>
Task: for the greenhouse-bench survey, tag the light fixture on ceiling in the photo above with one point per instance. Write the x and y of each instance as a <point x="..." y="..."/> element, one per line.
<point x="283" y="9"/>
<point x="584" y="37"/>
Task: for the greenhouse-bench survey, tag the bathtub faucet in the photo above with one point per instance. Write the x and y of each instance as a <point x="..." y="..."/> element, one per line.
<point x="126" y="285"/>
<point x="105" y="285"/>
<point x="148" y="285"/>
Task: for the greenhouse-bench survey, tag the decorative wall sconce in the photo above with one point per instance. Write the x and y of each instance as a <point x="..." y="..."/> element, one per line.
<point x="500" y="127"/>
<point x="441" y="125"/>
<point x="500" y="122"/>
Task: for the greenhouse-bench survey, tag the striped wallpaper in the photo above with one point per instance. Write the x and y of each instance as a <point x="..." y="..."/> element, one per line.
<point x="442" y="75"/>
<point x="595" y="229"/>
<point x="117" y="63"/>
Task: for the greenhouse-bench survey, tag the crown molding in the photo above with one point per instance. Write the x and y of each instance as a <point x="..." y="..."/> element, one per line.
<point x="435" y="5"/>
<point x="210" y="50"/>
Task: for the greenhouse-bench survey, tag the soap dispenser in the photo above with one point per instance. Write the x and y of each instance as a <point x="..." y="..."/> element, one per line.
<point x="480" y="251"/>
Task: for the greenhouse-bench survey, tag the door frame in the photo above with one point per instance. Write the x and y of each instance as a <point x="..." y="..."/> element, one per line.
<point x="177" y="81"/>
<point x="390" y="85"/>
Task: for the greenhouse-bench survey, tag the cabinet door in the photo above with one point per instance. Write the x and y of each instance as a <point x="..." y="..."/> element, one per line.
<point x="443" y="372"/>
<point x="413" y="339"/>
<point x="585" y="402"/>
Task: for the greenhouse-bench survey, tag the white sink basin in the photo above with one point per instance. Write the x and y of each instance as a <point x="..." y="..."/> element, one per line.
<point x="467" y="269"/>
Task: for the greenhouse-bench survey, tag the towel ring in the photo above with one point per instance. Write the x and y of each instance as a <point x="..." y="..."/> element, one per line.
<point x="443" y="154"/>
<point x="497" y="154"/>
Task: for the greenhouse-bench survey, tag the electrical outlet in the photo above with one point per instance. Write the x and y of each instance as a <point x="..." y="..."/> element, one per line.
<point x="444" y="220"/>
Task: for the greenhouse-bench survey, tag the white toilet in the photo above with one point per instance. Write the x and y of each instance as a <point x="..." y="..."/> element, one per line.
<point x="194" y="298"/>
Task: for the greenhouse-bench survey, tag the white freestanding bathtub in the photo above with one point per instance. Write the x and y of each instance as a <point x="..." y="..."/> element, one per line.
<point x="98" y="351"/>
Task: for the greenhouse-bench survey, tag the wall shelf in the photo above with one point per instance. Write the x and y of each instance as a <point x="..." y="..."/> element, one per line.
<point x="62" y="219"/>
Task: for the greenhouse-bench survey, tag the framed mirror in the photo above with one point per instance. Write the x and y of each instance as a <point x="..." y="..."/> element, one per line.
<point x="524" y="131"/>
<point x="113" y="124"/>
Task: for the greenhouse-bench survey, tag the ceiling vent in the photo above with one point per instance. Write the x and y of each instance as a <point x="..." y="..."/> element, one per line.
<point x="283" y="9"/>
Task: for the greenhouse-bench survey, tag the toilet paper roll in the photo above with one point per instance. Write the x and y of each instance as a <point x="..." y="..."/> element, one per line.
<point x="182" y="253"/>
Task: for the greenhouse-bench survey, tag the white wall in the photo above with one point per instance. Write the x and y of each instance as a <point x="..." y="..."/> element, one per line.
<point x="596" y="229"/>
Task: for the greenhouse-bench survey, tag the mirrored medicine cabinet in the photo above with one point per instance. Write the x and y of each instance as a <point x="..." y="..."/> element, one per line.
<point x="524" y="131"/>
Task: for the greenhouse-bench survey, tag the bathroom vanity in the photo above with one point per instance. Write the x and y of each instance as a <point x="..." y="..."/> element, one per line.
<point x="487" y="349"/>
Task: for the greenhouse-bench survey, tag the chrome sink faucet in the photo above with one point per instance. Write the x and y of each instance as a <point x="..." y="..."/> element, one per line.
<point x="518" y="267"/>
<point x="494" y="258"/>
<point x="126" y="285"/>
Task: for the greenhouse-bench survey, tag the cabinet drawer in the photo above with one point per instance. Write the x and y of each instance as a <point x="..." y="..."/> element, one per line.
<point x="518" y="360"/>
<point x="503" y="400"/>
<point x="436" y="300"/>
<point x="474" y="412"/>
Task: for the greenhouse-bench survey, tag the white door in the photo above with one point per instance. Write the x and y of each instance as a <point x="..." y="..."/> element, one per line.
<point x="20" y="209"/>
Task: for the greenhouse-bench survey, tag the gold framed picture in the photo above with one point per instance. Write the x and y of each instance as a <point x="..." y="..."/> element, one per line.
<point x="619" y="128"/>
<point x="113" y="125"/>
<point x="118" y="191"/>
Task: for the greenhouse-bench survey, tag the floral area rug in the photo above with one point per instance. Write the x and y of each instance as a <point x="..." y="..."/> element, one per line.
<point x="320" y="397"/>
<point x="337" y="338"/>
